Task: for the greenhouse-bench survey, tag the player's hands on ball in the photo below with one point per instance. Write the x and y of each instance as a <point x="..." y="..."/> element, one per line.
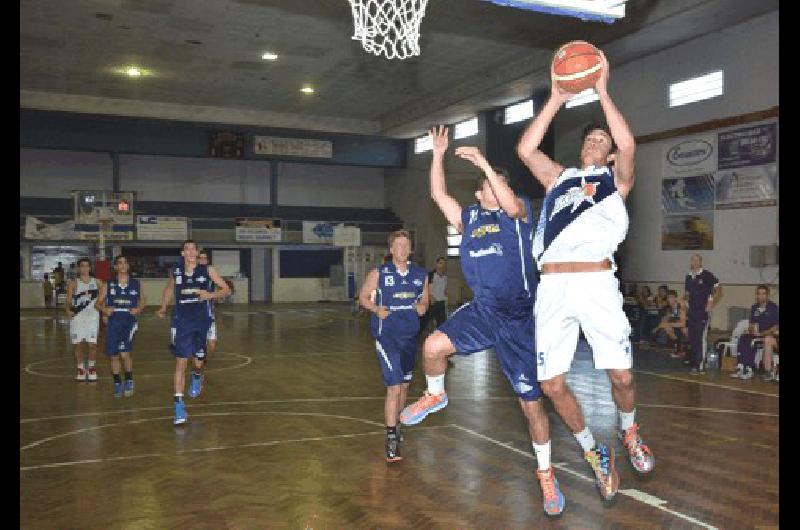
<point x="556" y="92"/>
<point x="601" y="85"/>
<point x="472" y="154"/>
<point x="439" y="139"/>
<point x="382" y="312"/>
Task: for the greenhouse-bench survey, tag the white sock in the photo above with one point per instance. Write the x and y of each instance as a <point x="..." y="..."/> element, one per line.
<point x="626" y="419"/>
<point x="91" y="364"/>
<point x="80" y="365"/>
<point x="585" y="438"/>
<point x="542" y="453"/>
<point x="435" y="384"/>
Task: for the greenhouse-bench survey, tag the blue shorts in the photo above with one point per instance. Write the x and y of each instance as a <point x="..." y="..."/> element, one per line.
<point x="509" y="331"/>
<point x="119" y="337"/>
<point x="189" y="338"/>
<point x="396" y="357"/>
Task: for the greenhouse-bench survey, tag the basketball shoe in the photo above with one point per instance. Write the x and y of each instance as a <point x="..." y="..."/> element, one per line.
<point x="392" y="448"/>
<point x="552" y="498"/>
<point x="180" y="413"/>
<point x="425" y="405"/>
<point x="641" y="456"/>
<point x="196" y="385"/>
<point x="80" y="374"/>
<point x="601" y="458"/>
<point x="117" y="389"/>
<point x="91" y="374"/>
<point x="129" y="388"/>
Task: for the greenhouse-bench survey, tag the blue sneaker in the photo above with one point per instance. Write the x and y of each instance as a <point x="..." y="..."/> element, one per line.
<point x="129" y="388"/>
<point x="117" y="389"/>
<point x="196" y="385"/>
<point x="425" y="405"/>
<point x="552" y="497"/>
<point x="601" y="458"/>
<point x="180" y="413"/>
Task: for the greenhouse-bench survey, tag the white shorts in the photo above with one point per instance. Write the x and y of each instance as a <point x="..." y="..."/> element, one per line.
<point x="567" y="302"/>
<point x="212" y="331"/>
<point x="84" y="329"/>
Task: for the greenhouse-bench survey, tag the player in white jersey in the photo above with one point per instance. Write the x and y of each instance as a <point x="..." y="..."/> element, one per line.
<point x="583" y="221"/>
<point x="84" y="323"/>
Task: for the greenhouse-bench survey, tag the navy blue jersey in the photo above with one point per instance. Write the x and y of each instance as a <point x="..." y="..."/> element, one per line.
<point x="188" y="305"/>
<point x="398" y="292"/>
<point x="699" y="287"/>
<point x="765" y="317"/>
<point x="123" y="298"/>
<point x="496" y="256"/>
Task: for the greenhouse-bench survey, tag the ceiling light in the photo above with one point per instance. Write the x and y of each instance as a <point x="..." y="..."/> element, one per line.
<point x="133" y="72"/>
<point x="307" y="90"/>
<point x="269" y="56"/>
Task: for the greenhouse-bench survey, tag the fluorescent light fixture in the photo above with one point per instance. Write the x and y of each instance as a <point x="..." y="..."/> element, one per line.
<point x="582" y="98"/>
<point x="466" y="128"/>
<point x="133" y="72"/>
<point x="453" y="252"/>
<point x="454" y="241"/>
<point x="269" y="56"/>
<point x="597" y="10"/>
<point x="518" y="112"/>
<point x="307" y="89"/>
<point x="696" y="89"/>
<point x="423" y="143"/>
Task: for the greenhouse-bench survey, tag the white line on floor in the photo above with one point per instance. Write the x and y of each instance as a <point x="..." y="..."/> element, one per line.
<point x="705" y="383"/>
<point x="637" y="495"/>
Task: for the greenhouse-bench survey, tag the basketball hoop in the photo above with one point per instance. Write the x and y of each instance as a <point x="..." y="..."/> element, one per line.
<point x="388" y="27"/>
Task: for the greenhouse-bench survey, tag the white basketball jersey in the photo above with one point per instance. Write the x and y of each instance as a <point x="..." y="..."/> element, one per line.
<point x="583" y="218"/>
<point x="84" y="298"/>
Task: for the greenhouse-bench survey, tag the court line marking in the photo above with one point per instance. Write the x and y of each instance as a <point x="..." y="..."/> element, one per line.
<point x="145" y="420"/>
<point x="351" y="398"/>
<point x="634" y="494"/>
<point x="705" y="383"/>
<point x="29" y="367"/>
<point x="210" y="449"/>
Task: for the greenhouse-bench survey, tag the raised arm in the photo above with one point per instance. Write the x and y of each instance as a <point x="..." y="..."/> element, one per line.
<point x="542" y="166"/>
<point x="446" y="203"/>
<point x="620" y="132"/>
<point x="506" y="198"/>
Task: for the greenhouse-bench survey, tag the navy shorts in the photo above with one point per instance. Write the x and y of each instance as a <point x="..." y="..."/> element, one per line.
<point x="509" y="331"/>
<point x="189" y="338"/>
<point x="119" y="336"/>
<point x="396" y="355"/>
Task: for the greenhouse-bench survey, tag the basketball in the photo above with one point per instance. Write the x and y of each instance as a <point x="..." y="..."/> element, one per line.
<point x="577" y="66"/>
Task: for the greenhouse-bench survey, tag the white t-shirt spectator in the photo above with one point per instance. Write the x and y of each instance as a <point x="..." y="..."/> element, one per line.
<point x="438" y="287"/>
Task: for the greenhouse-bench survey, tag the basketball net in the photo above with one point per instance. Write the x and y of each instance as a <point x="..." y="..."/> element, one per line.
<point x="388" y="27"/>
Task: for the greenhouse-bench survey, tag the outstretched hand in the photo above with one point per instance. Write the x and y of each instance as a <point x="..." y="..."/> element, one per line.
<point x="556" y="92"/>
<point x="602" y="82"/>
<point x="472" y="154"/>
<point x="439" y="139"/>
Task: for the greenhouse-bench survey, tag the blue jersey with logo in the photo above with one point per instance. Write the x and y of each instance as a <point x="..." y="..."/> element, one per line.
<point x="496" y="256"/>
<point x="123" y="298"/>
<point x="188" y="305"/>
<point x="398" y="292"/>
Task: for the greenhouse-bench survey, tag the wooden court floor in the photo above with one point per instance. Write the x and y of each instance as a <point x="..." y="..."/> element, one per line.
<point x="288" y="433"/>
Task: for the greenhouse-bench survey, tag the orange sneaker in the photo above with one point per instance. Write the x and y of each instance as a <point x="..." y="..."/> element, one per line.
<point x="601" y="458"/>
<point x="641" y="456"/>
<point x="425" y="405"/>
<point x="552" y="497"/>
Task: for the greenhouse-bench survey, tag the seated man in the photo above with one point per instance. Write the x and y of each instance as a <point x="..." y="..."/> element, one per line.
<point x="650" y="315"/>
<point x="672" y="329"/>
<point x="763" y="325"/>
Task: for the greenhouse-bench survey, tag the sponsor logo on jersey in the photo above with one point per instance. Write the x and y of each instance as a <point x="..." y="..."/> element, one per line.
<point x="496" y="248"/>
<point x="178" y="278"/>
<point x="122" y="301"/>
<point x="575" y="197"/>
<point x="389" y="281"/>
<point x="418" y="282"/>
<point x="190" y="291"/>
<point x="405" y="294"/>
<point x="473" y="216"/>
<point x="485" y="229"/>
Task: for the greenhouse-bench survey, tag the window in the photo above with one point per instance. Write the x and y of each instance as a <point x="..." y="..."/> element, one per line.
<point x="518" y="112"/>
<point x="696" y="89"/>
<point x="582" y="98"/>
<point x="466" y="128"/>
<point x="453" y="241"/>
<point x="423" y="143"/>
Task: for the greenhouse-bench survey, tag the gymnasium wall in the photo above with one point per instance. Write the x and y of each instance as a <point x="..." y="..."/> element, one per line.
<point x="748" y="54"/>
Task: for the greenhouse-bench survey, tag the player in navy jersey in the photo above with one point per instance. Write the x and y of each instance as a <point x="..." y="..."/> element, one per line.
<point x="190" y="284"/>
<point x="702" y="290"/>
<point x="498" y="267"/>
<point x="582" y="222"/>
<point x="121" y="301"/>
<point x="400" y="297"/>
<point x="211" y="337"/>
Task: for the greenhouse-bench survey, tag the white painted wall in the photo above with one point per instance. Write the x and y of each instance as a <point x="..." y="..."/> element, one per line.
<point x="53" y="173"/>
<point x="184" y="179"/>
<point x="337" y="186"/>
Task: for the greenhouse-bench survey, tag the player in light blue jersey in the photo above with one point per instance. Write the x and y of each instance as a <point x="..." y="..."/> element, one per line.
<point x="498" y="267"/>
<point x="396" y="293"/>
<point x="190" y="284"/>
<point x="121" y="301"/>
<point x="582" y="222"/>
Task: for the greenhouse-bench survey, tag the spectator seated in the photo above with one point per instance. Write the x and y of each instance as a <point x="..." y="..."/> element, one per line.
<point x="671" y="331"/>
<point x="762" y="330"/>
